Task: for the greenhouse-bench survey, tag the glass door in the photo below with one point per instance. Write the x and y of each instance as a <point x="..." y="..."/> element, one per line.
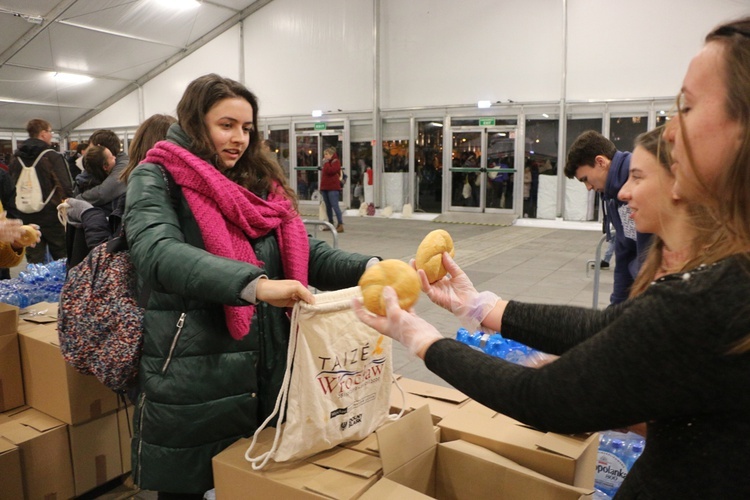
<point x="482" y="172"/>
<point x="309" y="161"/>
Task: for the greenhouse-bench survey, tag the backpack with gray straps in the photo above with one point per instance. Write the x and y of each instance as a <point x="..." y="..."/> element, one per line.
<point x="29" y="199"/>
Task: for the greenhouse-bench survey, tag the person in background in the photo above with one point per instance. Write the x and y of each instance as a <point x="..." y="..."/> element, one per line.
<point x="225" y="253"/>
<point x="110" y="186"/>
<point x="330" y="186"/>
<point x="94" y="225"/>
<point x="75" y="161"/>
<point x="594" y="160"/>
<point x="54" y="179"/>
<point x="676" y="356"/>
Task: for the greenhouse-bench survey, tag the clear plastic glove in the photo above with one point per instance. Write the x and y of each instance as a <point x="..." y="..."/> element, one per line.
<point x="405" y="327"/>
<point x="10" y="229"/>
<point x="456" y="293"/>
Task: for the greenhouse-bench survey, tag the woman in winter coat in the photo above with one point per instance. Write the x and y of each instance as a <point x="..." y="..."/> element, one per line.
<point x="330" y="186"/>
<point x="214" y="231"/>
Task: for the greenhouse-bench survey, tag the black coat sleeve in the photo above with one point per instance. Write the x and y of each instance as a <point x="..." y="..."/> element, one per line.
<point x="95" y="226"/>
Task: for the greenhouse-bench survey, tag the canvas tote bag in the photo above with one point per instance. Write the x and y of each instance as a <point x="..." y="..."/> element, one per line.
<point x="337" y="383"/>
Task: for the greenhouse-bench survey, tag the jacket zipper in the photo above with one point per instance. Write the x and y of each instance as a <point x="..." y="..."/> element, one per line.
<point x="141" y="404"/>
<point x="180" y="324"/>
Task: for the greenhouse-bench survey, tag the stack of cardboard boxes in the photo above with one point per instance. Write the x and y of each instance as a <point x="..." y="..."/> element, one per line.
<point x="445" y="446"/>
<point x="62" y="434"/>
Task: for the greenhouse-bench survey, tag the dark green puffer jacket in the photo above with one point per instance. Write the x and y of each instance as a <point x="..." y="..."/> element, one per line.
<point x="199" y="389"/>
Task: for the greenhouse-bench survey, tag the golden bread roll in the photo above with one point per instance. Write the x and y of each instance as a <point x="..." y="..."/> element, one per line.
<point x="394" y="273"/>
<point x="430" y="254"/>
<point x="28" y="236"/>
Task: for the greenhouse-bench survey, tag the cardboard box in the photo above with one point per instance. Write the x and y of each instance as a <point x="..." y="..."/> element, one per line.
<point x="44" y="451"/>
<point x="322" y="476"/>
<point x="565" y="458"/>
<point x="125" y="428"/>
<point x="457" y="469"/>
<point x="440" y="400"/>
<point x="11" y="382"/>
<point x="53" y="386"/>
<point x="11" y="479"/>
<point x="95" y="449"/>
<point x="411" y="462"/>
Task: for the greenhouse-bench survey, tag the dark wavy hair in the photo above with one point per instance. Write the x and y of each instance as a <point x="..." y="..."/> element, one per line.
<point x="254" y="170"/>
<point x="151" y="131"/>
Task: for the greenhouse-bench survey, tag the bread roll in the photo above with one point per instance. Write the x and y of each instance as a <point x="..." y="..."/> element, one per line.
<point x="430" y="254"/>
<point x="28" y="236"/>
<point x="394" y="273"/>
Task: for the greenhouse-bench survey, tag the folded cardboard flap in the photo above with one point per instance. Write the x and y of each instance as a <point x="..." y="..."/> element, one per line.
<point x="432" y="391"/>
<point x="569" y="459"/>
<point x="465" y="470"/>
<point x="348" y="460"/>
<point x="332" y="484"/>
<point x="415" y="429"/>
<point x="387" y="489"/>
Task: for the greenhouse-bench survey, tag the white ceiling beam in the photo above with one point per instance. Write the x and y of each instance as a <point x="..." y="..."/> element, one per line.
<point x="200" y="42"/>
<point x="51" y="16"/>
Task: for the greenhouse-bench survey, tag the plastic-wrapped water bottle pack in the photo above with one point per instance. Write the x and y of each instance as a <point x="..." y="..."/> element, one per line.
<point x="36" y="283"/>
<point x="618" y="451"/>
<point x="500" y="347"/>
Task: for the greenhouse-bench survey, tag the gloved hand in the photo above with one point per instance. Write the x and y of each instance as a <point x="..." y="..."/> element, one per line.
<point x="71" y="211"/>
<point x="10" y="229"/>
<point x="456" y="293"/>
<point x="405" y="327"/>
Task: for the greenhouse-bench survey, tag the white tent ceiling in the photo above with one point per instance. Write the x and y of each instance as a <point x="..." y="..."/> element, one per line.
<point x="121" y="44"/>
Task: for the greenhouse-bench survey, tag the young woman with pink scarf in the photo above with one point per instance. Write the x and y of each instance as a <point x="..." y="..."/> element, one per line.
<point x="225" y="254"/>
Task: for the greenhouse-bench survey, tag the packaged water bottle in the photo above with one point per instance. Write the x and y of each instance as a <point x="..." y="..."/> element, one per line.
<point x="462" y="335"/>
<point x="611" y="467"/>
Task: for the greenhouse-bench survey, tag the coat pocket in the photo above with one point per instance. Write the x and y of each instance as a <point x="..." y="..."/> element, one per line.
<point x="180" y="324"/>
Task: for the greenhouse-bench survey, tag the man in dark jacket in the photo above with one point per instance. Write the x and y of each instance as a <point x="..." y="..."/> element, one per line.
<point x="594" y="160"/>
<point x="52" y="171"/>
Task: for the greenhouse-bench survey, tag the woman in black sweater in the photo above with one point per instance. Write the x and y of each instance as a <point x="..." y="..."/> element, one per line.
<point x="677" y="356"/>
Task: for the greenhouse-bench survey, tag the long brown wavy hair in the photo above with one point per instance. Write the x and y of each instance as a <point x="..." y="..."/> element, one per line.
<point x="254" y="170"/>
<point x="729" y="203"/>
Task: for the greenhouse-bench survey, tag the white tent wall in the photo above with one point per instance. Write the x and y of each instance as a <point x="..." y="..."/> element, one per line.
<point x="301" y="55"/>
<point x="435" y="52"/>
<point x="639" y="48"/>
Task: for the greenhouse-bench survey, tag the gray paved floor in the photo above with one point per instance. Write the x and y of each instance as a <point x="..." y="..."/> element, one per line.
<point x="524" y="263"/>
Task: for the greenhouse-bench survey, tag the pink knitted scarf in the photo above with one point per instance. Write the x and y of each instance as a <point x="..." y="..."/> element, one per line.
<point x="229" y="216"/>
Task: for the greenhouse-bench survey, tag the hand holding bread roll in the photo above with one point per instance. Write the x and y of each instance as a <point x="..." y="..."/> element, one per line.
<point x="394" y="273"/>
<point x="30" y="236"/>
<point x="430" y="254"/>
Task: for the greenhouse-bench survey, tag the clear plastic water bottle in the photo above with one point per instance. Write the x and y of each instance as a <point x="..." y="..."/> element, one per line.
<point x="611" y="469"/>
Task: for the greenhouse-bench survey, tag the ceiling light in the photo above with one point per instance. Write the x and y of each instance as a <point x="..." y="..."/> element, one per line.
<point x="662" y="112"/>
<point x="317" y="112"/>
<point x="484" y="104"/>
<point x="545" y="115"/>
<point x="71" y="78"/>
<point x="180" y="4"/>
<point x="436" y="124"/>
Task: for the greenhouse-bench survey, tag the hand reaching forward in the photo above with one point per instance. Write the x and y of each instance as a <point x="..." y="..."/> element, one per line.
<point x="456" y="293"/>
<point x="405" y="327"/>
<point x="283" y="293"/>
<point x="10" y="229"/>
